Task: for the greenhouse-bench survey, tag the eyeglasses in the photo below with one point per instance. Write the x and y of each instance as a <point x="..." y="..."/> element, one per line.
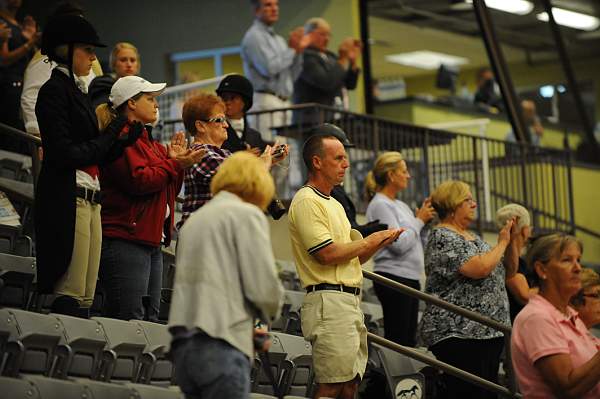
<point x="593" y="295"/>
<point x="220" y="119"/>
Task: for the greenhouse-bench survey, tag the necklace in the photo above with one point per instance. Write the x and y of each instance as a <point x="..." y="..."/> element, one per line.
<point x="457" y="230"/>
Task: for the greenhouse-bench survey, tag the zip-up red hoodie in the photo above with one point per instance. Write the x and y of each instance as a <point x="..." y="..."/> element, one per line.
<point x="136" y="189"/>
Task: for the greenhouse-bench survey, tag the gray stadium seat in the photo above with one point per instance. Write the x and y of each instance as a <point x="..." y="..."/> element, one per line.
<point x="156" y="368"/>
<point x="297" y="377"/>
<point x="295" y="299"/>
<point x="402" y="373"/>
<point x="373" y="317"/>
<point x="51" y="388"/>
<point x="16" y="388"/>
<point x="293" y="345"/>
<point x="19" y="274"/>
<point x="277" y="356"/>
<point x="32" y="344"/>
<point x="154" y="392"/>
<point x="126" y="341"/>
<point x="87" y="342"/>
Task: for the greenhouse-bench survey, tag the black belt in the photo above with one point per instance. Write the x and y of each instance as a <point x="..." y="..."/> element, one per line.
<point x="333" y="287"/>
<point x="92" y="196"/>
<point x="282" y="98"/>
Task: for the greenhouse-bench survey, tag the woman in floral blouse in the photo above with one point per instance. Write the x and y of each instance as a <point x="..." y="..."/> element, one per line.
<point x="464" y="270"/>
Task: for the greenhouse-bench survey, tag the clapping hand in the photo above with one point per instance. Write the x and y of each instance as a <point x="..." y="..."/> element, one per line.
<point x="29" y="30"/>
<point x="426" y="212"/>
<point x="179" y="151"/>
<point x="504" y="236"/>
<point x="178" y="145"/>
<point x="298" y="40"/>
<point x="385" y="237"/>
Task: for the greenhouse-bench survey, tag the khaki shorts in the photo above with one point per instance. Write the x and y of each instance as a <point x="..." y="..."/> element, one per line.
<point x="333" y="323"/>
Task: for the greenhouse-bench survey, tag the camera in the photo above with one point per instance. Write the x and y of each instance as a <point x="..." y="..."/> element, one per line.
<point x="276" y="209"/>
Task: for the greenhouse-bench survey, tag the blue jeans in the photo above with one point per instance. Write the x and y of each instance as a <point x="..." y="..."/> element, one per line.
<point x="128" y="271"/>
<point x="207" y="368"/>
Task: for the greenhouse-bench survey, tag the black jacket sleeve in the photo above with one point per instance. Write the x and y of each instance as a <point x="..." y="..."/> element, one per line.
<point x="69" y="135"/>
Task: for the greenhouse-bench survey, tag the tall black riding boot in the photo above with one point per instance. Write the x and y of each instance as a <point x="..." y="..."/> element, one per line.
<point x="66" y="305"/>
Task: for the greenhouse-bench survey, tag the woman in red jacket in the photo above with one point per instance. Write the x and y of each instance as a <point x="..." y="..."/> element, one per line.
<point x="139" y="190"/>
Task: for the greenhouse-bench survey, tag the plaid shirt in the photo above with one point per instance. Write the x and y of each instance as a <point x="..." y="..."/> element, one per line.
<point x="198" y="177"/>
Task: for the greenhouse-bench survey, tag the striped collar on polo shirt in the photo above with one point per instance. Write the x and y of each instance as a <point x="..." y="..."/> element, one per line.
<point x="319" y="193"/>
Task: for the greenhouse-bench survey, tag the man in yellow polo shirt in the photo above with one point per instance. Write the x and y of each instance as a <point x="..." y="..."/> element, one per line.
<point x="328" y="263"/>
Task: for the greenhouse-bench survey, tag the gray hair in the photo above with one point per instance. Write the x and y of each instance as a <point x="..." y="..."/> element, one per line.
<point x="315" y="23"/>
<point x="510" y="211"/>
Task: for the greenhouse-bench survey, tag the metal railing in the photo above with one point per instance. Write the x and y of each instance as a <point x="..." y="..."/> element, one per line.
<point x="499" y="172"/>
<point x="510" y="391"/>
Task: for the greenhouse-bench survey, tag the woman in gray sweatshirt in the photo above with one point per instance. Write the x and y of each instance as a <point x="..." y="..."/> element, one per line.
<point x="403" y="260"/>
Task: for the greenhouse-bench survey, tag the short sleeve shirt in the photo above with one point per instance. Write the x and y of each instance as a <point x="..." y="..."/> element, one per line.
<point x="317" y="220"/>
<point x="541" y="330"/>
<point x="445" y="253"/>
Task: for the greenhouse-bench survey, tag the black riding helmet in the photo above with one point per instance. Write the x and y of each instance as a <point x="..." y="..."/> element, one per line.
<point x="237" y="84"/>
<point x="67" y="29"/>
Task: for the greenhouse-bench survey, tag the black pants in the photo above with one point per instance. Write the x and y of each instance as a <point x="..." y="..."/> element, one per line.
<point x="477" y="356"/>
<point x="399" y="311"/>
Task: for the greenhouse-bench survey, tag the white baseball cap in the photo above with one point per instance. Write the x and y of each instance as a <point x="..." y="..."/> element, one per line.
<point x="129" y="86"/>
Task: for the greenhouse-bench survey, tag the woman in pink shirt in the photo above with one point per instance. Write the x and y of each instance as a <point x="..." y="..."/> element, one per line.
<point x="553" y="353"/>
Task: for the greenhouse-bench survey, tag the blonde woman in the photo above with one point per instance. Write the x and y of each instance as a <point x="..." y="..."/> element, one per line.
<point x="401" y="261"/>
<point x="587" y="300"/>
<point x="139" y="190"/>
<point x="464" y="270"/>
<point x="225" y="278"/>
<point x="553" y="353"/>
<point x="124" y="61"/>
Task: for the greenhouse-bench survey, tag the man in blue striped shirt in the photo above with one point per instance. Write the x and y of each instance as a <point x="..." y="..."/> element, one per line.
<point x="272" y="64"/>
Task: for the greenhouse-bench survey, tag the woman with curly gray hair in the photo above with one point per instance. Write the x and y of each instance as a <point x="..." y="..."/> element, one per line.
<point x="518" y="287"/>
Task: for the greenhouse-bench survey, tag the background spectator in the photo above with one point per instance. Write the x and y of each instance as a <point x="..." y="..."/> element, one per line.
<point x="124" y="61"/>
<point x="14" y="56"/>
<point x="532" y="121"/>
<point x="39" y="70"/>
<point x="519" y="289"/>
<point x="67" y="209"/>
<point x="204" y="118"/>
<point x="236" y="92"/>
<point x="225" y="278"/>
<point x="139" y="190"/>
<point x="487" y="92"/>
<point x="328" y="263"/>
<point x="271" y="64"/>
<point x="587" y="300"/>
<point x="402" y="261"/>
<point x="324" y="74"/>
<point x="464" y="270"/>
<point x="338" y="192"/>
<point x="553" y="353"/>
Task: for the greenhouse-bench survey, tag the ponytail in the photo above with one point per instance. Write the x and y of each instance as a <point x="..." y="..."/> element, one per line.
<point x="377" y="178"/>
<point x="105" y="115"/>
<point x="370" y="186"/>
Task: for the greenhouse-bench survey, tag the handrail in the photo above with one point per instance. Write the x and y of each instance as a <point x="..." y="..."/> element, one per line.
<point x="437" y="301"/>
<point x="433" y="300"/>
<point x="445" y="367"/>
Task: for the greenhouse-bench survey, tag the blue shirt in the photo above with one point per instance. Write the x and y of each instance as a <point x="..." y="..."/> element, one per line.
<point x="403" y="258"/>
<point x="269" y="63"/>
